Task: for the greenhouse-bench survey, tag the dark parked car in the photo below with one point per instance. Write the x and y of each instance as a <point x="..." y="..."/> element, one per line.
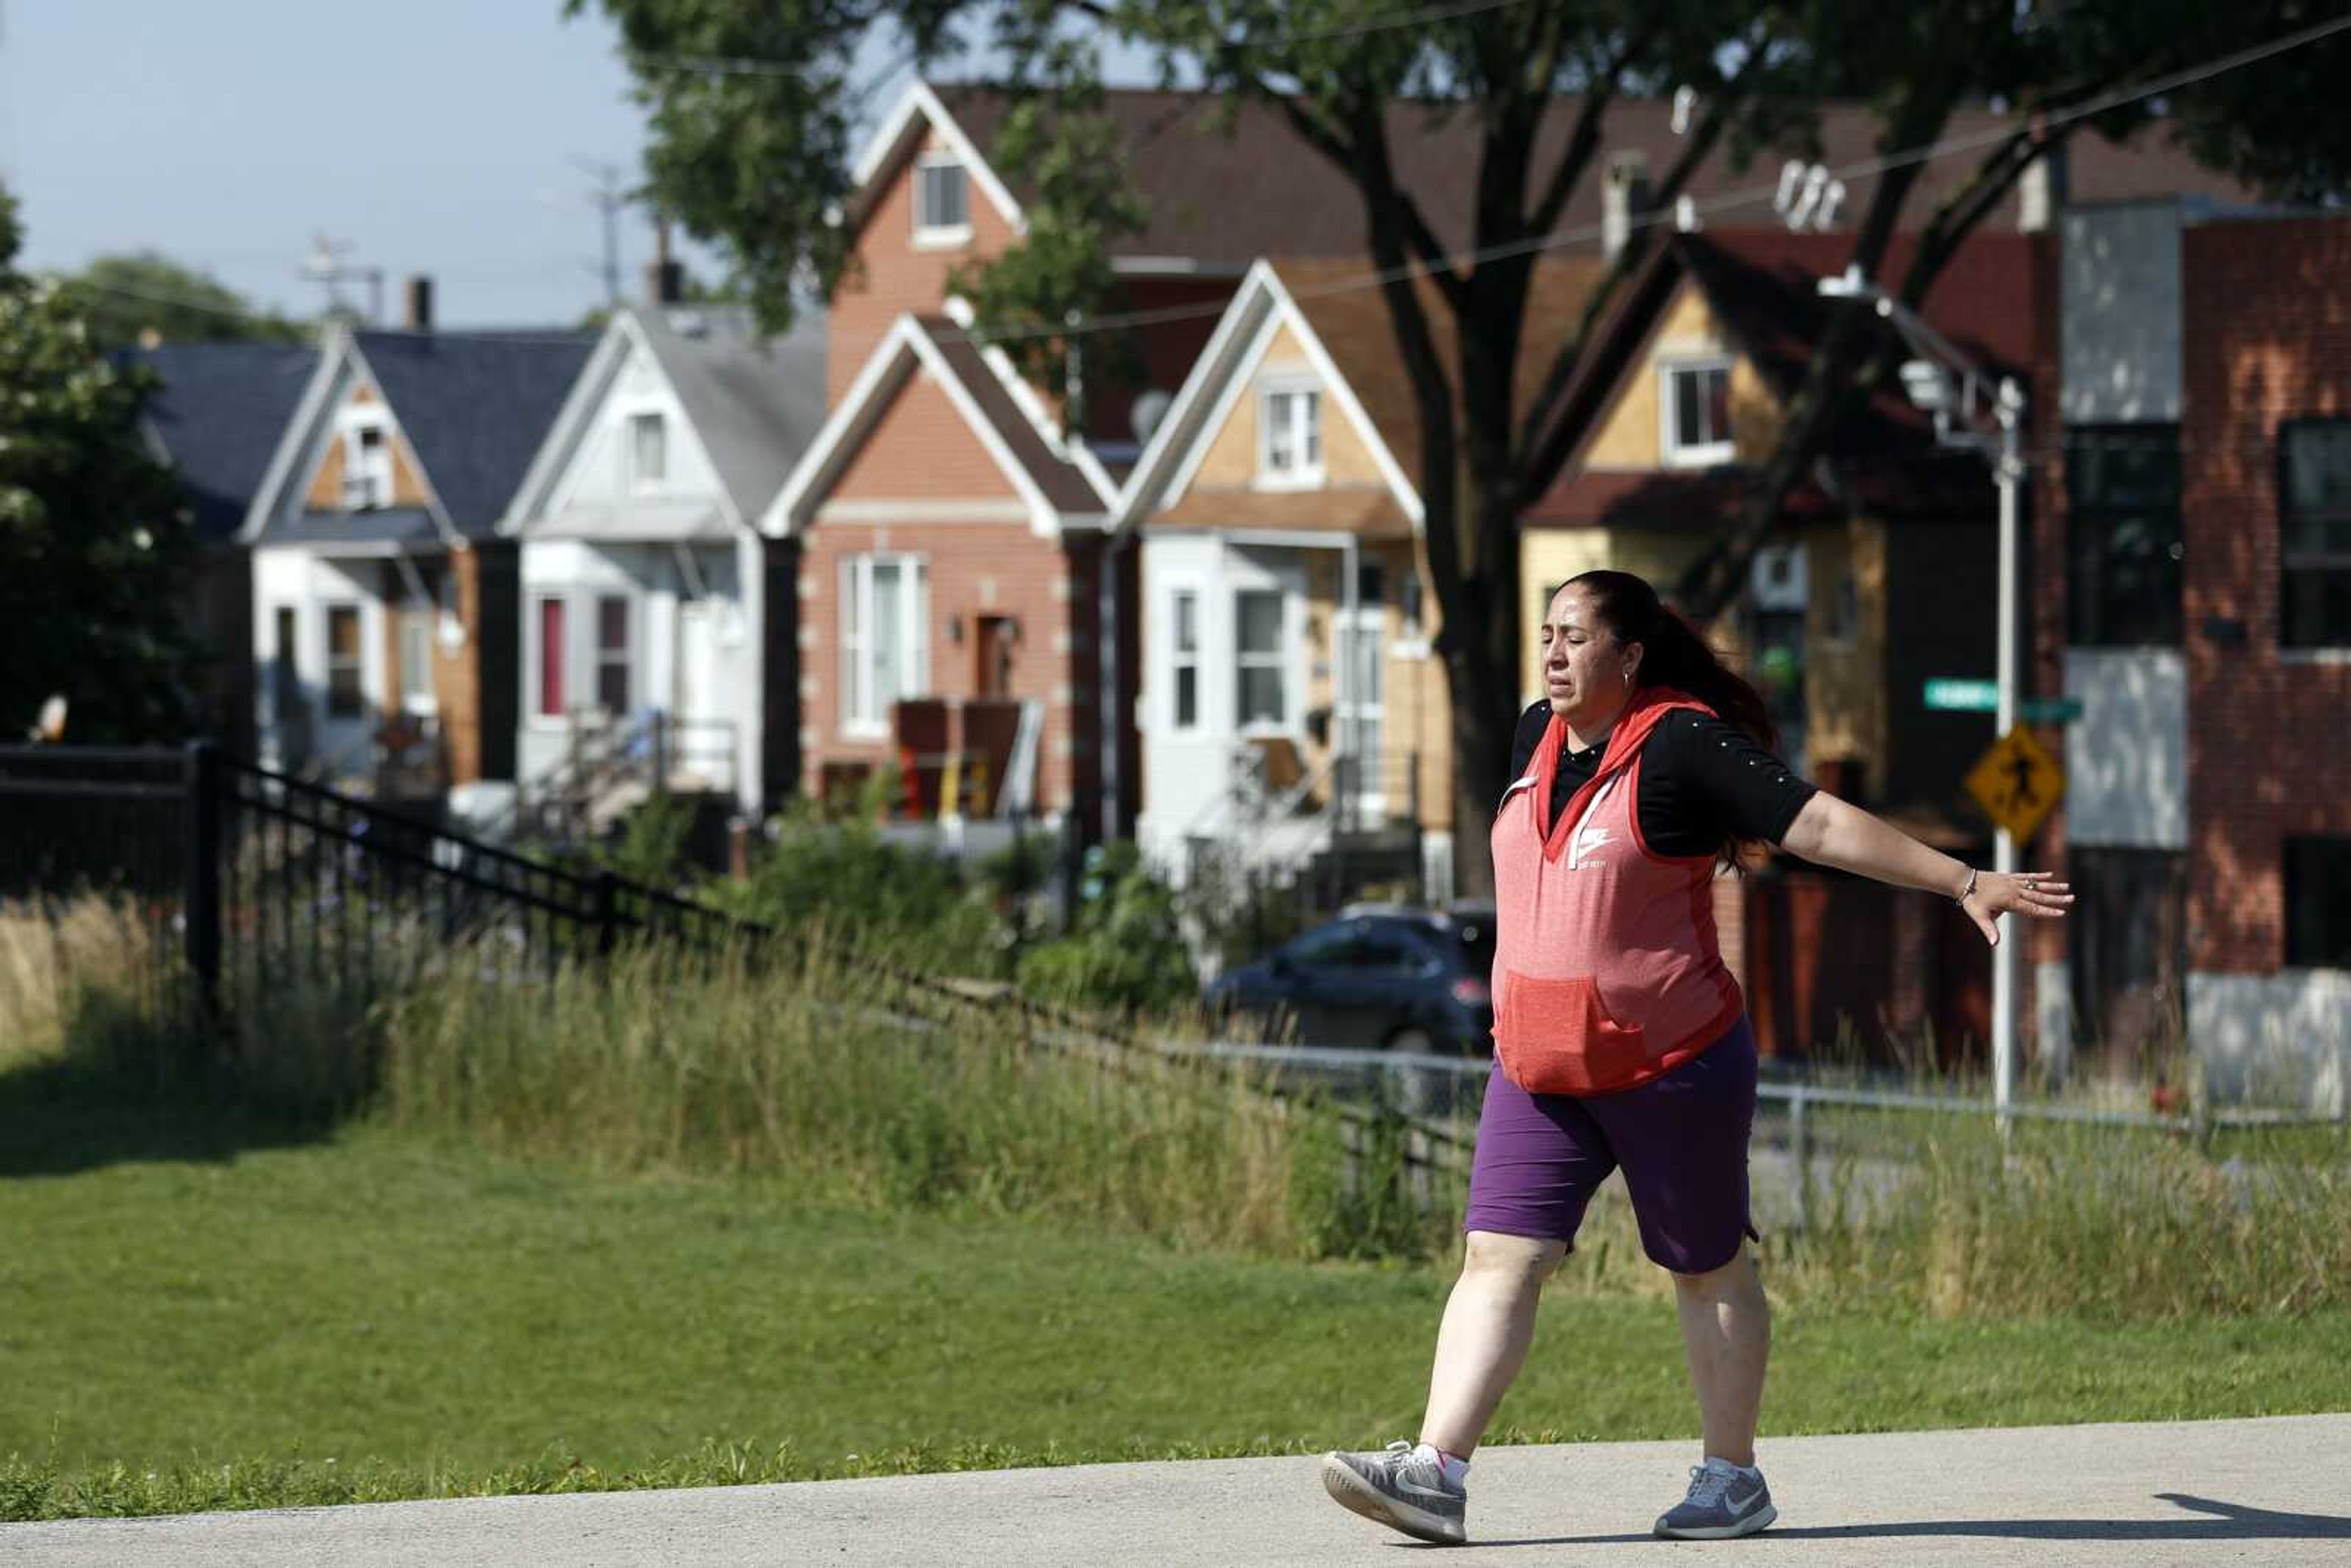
<point x="1379" y="974"/>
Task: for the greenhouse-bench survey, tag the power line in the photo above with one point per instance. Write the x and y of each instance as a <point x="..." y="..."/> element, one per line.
<point x="1563" y="239"/>
<point x="1965" y="141"/>
<point x="738" y="65"/>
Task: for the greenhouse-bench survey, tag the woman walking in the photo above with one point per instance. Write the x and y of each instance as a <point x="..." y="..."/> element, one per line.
<point x="1620" y="1039"/>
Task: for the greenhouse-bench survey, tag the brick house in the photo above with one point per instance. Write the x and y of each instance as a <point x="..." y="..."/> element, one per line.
<point x="2204" y="622"/>
<point x="385" y="605"/>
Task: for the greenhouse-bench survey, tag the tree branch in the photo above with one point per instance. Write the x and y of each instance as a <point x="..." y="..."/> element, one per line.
<point x="1539" y="440"/>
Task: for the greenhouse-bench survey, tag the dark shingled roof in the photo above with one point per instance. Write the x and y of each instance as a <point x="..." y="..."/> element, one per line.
<point x="220" y="413"/>
<point x="1763" y="288"/>
<point x="474" y="408"/>
<point x="1230" y="196"/>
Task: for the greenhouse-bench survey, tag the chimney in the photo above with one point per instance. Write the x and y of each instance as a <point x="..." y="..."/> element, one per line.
<point x="420" y="303"/>
<point x="664" y="278"/>
<point x="1624" y="200"/>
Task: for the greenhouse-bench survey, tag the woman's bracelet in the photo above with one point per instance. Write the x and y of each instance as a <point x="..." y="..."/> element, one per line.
<point x="1968" y="891"/>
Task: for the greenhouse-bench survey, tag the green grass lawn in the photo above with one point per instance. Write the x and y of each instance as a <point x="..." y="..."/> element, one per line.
<point x="184" y="1289"/>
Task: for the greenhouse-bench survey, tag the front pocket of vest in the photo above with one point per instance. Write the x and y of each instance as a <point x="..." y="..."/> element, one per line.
<point x="1555" y="1037"/>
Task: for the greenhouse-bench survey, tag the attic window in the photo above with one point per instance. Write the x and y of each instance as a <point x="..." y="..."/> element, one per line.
<point x="1698" y="414"/>
<point x="648" y="451"/>
<point x="942" y="201"/>
<point x="367" y="467"/>
<point x="1289" y="436"/>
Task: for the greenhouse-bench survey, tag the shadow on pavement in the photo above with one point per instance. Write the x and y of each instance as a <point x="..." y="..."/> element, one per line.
<point x="2230" y="1522"/>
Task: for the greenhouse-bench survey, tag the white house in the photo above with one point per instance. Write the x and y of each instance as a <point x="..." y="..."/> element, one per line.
<point x="642" y="587"/>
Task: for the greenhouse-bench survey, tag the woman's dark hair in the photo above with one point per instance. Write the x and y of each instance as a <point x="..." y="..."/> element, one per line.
<point x="1674" y="655"/>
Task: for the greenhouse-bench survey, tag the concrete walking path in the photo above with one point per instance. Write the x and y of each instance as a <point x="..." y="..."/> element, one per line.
<point x="2252" y="1492"/>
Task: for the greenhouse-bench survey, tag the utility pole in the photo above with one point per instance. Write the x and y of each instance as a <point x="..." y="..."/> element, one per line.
<point x="328" y="267"/>
<point x="1944" y="382"/>
<point x="611" y="198"/>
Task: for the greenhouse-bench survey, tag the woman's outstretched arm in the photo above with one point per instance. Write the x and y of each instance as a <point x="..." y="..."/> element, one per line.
<point x="1828" y="831"/>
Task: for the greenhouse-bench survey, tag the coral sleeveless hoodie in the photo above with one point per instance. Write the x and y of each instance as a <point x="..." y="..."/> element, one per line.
<point x="1606" y="973"/>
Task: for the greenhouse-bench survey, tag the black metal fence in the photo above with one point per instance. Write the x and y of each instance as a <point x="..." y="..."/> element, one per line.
<point x="261" y="880"/>
<point x="254" y="884"/>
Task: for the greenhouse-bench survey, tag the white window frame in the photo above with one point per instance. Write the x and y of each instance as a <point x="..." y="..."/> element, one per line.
<point x="373" y="479"/>
<point x="861" y="718"/>
<point x="1673" y="449"/>
<point x="1178" y="660"/>
<point x="940" y="236"/>
<point x="638" y="480"/>
<point x="417" y="696"/>
<point x="1302" y="475"/>
<point x="327" y="612"/>
<point x="1281" y="660"/>
<point x="627" y="658"/>
<point x="1369" y="618"/>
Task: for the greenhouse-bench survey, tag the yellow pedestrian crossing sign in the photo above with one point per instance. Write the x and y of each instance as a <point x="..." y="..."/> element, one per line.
<point x="2017" y="783"/>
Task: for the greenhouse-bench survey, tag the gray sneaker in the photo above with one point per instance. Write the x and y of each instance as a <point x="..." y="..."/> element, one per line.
<point x="1723" y="1502"/>
<point x="1404" y="1488"/>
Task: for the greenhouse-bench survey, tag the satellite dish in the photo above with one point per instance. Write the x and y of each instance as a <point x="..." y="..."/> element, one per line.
<point x="1149" y="410"/>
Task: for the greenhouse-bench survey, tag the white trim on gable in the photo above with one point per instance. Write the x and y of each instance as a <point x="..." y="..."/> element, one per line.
<point x="904" y="348"/>
<point x="572" y="421"/>
<point x="1206" y="370"/>
<point x="341" y="367"/>
<point x="888" y="144"/>
<point x="1262" y="308"/>
<point x="554" y="469"/>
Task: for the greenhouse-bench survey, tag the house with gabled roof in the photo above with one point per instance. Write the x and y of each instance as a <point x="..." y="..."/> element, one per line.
<point x="384" y="599"/>
<point x="216" y="419"/>
<point x="1882" y="568"/>
<point x="1292" y="708"/>
<point x="647" y="659"/>
<point x="951" y="545"/>
<point x="1881" y="575"/>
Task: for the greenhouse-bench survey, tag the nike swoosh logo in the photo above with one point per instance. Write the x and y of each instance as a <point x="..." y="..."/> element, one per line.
<point x="1403" y="1485"/>
<point x="1739" y="1508"/>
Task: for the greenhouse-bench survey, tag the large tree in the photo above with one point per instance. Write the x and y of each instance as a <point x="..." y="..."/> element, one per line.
<point x="753" y="110"/>
<point x="127" y="299"/>
<point x="94" y="545"/>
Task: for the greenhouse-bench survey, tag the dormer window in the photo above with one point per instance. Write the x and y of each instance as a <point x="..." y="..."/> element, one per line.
<point x="1289" y="436"/>
<point x="367" y="466"/>
<point x="1698" y="414"/>
<point x="942" y="202"/>
<point x="648" y="451"/>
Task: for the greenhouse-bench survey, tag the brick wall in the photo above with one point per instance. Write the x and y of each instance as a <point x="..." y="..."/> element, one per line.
<point x="972" y="569"/>
<point x="887" y="275"/>
<point x="2268" y="338"/>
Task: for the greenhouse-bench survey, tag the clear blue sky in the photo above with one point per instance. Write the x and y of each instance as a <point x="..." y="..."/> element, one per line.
<point x="438" y="136"/>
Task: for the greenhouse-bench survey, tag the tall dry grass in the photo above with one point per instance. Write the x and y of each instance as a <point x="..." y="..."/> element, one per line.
<point x="823" y="1073"/>
<point x="852" y="1088"/>
<point x="80" y="983"/>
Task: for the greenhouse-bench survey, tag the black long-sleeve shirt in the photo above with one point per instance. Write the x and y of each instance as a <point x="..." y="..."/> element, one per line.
<point x="1702" y="781"/>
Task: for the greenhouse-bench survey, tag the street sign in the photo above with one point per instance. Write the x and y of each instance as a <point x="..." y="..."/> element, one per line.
<point x="2017" y="783"/>
<point x="2048" y="710"/>
<point x="1947" y="694"/>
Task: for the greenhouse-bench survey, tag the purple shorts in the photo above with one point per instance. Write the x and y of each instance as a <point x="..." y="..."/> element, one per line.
<point x="1681" y="1138"/>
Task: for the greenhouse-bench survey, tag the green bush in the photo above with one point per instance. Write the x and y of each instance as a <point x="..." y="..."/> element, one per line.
<point x="1125" y="950"/>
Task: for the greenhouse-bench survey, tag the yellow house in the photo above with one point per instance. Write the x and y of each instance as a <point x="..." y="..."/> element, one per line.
<point x="1293" y="713"/>
<point x="1881" y="573"/>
